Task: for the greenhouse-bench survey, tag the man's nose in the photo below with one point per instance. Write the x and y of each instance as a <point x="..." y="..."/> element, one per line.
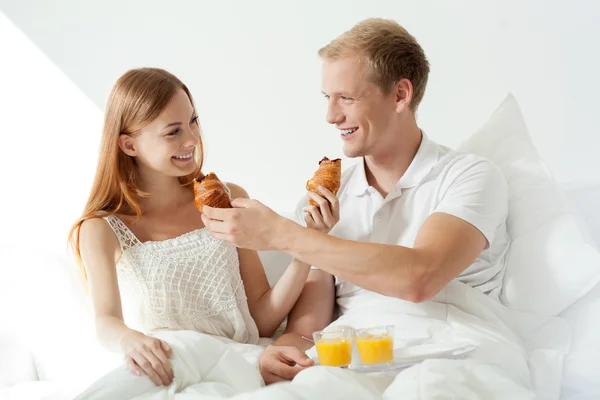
<point x="334" y="114"/>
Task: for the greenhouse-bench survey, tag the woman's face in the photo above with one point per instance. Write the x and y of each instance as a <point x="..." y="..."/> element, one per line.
<point x="168" y="144"/>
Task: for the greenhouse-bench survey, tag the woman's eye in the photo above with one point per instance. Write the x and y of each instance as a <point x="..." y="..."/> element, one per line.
<point x="194" y="120"/>
<point x="174" y="133"/>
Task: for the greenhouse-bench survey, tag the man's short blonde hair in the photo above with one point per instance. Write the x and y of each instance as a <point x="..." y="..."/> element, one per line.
<point x="390" y="51"/>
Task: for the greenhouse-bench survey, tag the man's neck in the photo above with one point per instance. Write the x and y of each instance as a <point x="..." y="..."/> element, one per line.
<point x="385" y="169"/>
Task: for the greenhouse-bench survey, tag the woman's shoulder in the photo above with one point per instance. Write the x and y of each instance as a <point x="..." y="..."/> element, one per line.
<point x="97" y="230"/>
<point x="237" y="191"/>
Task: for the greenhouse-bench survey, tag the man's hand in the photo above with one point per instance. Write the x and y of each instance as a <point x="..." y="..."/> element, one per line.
<point x="324" y="216"/>
<point x="249" y="224"/>
<point x="278" y="363"/>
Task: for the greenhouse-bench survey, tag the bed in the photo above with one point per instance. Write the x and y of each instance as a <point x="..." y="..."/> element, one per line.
<point x="551" y="296"/>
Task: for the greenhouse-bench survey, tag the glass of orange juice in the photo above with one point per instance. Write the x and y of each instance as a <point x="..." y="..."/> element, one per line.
<point x="334" y="347"/>
<point x="375" y="345"/>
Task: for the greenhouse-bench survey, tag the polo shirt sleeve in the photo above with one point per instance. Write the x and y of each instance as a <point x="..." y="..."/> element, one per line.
<point x="477" y="193"/>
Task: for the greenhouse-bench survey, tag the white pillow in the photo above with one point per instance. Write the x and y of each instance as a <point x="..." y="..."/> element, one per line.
<point x="45" y="305"/>
<point x="549" y="264"/>
<point x="581" y="375"/>
<point x="585" y="199"/>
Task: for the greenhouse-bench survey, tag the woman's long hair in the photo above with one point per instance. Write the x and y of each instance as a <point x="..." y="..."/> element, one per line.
<point x="137" y="99"/>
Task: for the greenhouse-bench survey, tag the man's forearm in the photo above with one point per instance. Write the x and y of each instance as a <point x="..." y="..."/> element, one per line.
<point x="387" y="269"/>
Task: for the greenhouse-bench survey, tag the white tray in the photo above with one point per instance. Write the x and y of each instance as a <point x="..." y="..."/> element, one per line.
<point x="402" y="360"/>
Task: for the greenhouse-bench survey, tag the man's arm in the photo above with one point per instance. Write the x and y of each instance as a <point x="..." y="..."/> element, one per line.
<point x="445" y="246"/>
<point x="448" y="242"/>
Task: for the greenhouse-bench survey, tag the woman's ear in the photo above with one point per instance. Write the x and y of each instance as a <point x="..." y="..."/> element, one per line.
<point x="127" y="144"/>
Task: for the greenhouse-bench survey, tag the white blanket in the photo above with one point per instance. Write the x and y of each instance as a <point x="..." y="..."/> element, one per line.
<point x="517" y="356"/>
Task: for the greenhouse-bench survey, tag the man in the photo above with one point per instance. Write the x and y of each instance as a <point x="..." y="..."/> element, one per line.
<point x="414" y="215"/>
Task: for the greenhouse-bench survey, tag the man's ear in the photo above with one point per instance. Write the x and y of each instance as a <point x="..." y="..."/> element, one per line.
<point x="127" y="144"/>
<point x="403" y="90"/>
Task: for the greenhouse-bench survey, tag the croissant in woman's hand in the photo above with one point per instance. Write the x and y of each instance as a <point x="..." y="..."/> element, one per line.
<point x="328" y="175"/>
<point x="210" y="191"/>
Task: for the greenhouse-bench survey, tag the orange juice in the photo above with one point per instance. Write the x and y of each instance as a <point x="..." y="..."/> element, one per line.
<point x="375" y="349"/>
<point x="335" y="352"/>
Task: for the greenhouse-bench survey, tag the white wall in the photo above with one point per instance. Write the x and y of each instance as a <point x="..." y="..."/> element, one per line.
<point x="49" y="136"/>
<point x="253" y="69"/>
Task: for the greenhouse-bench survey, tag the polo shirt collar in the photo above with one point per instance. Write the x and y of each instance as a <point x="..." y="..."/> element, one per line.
<point x="425" y="159"/>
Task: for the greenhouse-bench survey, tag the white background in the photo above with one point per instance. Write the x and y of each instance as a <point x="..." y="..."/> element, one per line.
<point x="253" y="70"/>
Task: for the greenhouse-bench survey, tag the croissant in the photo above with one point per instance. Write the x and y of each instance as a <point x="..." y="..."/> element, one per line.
<point x="210" y="191"/>
<point x="328" y="175"/>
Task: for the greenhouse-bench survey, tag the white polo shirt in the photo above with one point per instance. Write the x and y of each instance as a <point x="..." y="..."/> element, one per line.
<point x="438" y="180"/>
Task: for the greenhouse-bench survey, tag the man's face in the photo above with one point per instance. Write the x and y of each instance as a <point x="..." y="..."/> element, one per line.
<point x="358" y="108"/>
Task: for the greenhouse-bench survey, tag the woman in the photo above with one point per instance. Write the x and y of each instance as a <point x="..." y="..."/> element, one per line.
<point x="144" y="250"/>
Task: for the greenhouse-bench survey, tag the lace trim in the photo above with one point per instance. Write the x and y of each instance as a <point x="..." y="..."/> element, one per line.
<point x="126" y="238"/>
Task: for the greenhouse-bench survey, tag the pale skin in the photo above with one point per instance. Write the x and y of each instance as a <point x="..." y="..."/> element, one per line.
<point x="167" y="213"/>
<point x="387" y="136"/>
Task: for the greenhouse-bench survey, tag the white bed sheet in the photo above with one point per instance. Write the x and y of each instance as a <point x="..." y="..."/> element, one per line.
<point x="518" y="356"/>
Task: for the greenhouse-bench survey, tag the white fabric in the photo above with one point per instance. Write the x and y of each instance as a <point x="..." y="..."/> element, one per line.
<point x="585" y="199"/>
<point x="548" y="253"/>
<point x="50" y="329"/>
<point x="206" y="368"/>
<point x="438" y="180"/>
<point x="189" y="282"/>
<point x="17" y="360"/>
<point x="582" y="364"/>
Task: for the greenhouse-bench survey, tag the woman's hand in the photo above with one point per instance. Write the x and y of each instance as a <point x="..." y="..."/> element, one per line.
<point x="148" y="355"/>
<point x="324" y="216"/>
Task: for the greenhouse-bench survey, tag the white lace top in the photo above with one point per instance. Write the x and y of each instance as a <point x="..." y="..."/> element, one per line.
<point x="190" y="282"/>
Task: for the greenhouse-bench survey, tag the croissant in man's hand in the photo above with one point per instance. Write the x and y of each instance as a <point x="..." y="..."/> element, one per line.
<point x="210" y="191"/>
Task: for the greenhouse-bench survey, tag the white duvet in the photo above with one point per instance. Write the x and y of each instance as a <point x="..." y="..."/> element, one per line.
<point x="516" y="356"/>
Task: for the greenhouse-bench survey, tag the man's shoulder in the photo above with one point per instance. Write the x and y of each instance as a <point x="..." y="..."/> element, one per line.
<point x="454" y="163"/>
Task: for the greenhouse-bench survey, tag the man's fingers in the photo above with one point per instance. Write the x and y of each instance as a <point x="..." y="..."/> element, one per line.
<point x="327" y="194"/>
<point x="309" y="219"/>
<point x="316" y="216"/>
<point x="324" y="207"/>
<point x="220" y="214"/>
<point x="222" y="236"/>
<point x="316" y="198"/>
<point x="241" y="202"/>
<point x="333" y="201"/>
<point x="208" y="211"/>
<point x="214" y="225"/>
